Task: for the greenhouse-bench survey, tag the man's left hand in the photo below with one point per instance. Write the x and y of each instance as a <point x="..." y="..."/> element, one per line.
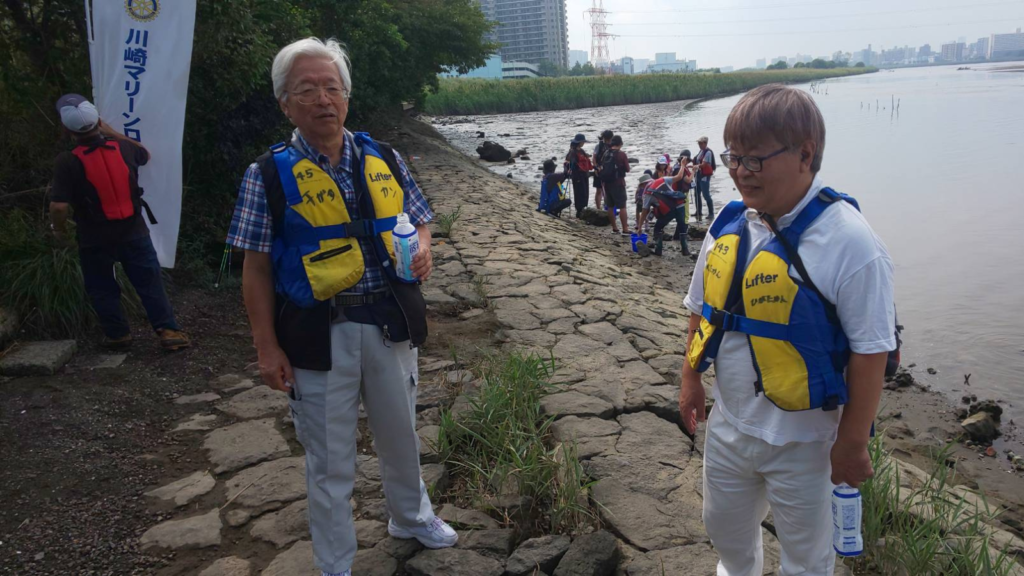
<point x="423" y="263"/>
<point x="851" y="463"/>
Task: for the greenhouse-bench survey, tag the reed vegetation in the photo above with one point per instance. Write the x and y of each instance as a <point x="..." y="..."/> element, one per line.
<point x="925" y="525"/>
<point x="479" y="96"/>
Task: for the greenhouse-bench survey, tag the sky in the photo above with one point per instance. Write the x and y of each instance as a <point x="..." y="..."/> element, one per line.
<point x="738" y="32"/>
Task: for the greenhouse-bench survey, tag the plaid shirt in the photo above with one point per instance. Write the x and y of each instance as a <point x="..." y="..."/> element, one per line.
<point x="251" y="224"/>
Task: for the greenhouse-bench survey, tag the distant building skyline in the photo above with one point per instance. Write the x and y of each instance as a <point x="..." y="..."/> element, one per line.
<point x="532" y="31"/>
<point x="993" y="46"/>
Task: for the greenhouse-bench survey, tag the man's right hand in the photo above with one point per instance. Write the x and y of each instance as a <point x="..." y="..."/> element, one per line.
<point x="691" y="401"/>
<point x="275" y="369"/>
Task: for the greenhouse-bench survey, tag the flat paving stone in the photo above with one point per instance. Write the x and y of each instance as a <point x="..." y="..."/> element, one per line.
<point x="197" y="422"/>
<point x="254" y="403"/>
<point x="517" y="319"/>
<point x="541" y="553"/>
<point x="244" y="444"/>
<point x="187" y="533"/>
<point x="285" y="526"/>
<point x="452" y="562"/>
<point x="105" y="361"/>
<point x="370" y="532"/>
<point x="602" y="332"/>
<point x="38" y="358"/>
<point x="277" y="482"/>
<point x="575" y="404"/>
<point x="467" y="518"/>
<point x="197" y="398"/>
<point x="295" y="561"/>
<point x="645" y="522"/>
<point x="374" y="562"/>
<point x="231" y="383"/>
<point x="428" y="443"/>
<point x="186" y="489"/>
<point x="230" y="566"/>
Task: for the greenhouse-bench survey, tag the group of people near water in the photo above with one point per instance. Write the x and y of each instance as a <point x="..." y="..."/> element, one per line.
<point x="661" y="197"/>
<point x="791" y="301"/>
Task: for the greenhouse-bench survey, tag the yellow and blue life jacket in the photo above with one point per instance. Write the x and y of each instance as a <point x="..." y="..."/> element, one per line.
<point x="316" y="253"/>
<point x="796" y="341"/>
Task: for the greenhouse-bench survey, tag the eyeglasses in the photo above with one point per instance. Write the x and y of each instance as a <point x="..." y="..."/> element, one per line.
<point x="751" y="163"/>
<point x="311" y="95"/>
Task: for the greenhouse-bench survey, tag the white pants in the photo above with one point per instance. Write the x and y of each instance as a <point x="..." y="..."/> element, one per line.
<point x="743" y="475"/>
<point x="326" y="412"/>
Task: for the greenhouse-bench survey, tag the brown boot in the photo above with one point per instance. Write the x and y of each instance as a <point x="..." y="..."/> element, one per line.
<point x="122" y="343"/>
<point x="173" y="339"/>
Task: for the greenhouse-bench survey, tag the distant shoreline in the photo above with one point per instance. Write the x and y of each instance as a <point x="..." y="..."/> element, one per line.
<point x="464" y="96"/>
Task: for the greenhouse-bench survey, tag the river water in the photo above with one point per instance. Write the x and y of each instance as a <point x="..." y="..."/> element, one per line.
<point x="941" y="181"/>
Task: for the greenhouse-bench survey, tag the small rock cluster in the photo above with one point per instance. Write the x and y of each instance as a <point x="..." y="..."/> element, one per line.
<point x="981" y="421"/>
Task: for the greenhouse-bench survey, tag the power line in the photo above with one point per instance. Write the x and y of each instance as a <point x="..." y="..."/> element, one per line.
<point x="745" y="7"/>
<point x="791" y="32"/>
<point x="820" y="17"/>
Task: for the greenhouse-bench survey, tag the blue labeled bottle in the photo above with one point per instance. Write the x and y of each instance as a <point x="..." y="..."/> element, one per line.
<point x="406" y="243"/>
<point x="846" y="519"/>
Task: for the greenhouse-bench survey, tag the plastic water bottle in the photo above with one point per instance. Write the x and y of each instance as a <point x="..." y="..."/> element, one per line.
<point x="846" y="518"/>
<point x="407" y="244"/>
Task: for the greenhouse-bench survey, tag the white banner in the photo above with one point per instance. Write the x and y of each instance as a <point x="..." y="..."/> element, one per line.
<point x="140" y="52"/>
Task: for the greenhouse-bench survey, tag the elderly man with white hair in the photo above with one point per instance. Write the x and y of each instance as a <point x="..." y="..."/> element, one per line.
<point x="332" y="321"/>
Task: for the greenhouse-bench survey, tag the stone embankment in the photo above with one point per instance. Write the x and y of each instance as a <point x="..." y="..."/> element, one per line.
<point x="554" y="287"/>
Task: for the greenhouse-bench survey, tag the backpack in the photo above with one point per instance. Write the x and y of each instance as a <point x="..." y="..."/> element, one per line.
<point x="608" y="171"/>
<point x="583" y="162"/>
<point x="116" y="194"/>
<point x="707" y="170"/>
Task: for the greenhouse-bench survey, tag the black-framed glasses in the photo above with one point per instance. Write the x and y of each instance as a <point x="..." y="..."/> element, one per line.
<point x="311" y="95"/>
<point x="752" y="163"/>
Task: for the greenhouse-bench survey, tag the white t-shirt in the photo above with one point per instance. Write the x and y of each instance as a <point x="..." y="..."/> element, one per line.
<point x="851" y="266"/>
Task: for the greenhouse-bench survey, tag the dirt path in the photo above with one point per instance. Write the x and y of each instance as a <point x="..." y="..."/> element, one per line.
<point x="82" y="449"/>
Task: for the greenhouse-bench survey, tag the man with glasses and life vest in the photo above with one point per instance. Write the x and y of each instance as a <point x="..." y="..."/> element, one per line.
<point x="333" y="322"/>
<point x="793" y="306"/>
<point x="99" y="181"/>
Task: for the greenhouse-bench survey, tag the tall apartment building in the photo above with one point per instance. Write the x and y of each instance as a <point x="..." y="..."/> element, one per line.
<point x="953" y="51"/>
<point x="1006" y="45"/>
<point x="531" y="31"/>
<point x="578" y="56"/>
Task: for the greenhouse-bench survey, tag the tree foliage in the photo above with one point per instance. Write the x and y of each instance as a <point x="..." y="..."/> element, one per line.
<point x="780" y="65"/>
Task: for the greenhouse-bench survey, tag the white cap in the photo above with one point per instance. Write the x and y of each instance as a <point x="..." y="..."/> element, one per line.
<point x="77" y="114"/>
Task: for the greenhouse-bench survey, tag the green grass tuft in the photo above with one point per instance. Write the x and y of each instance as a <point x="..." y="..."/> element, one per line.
<point x="927" y="529"/>
<point x="501" y="445"/>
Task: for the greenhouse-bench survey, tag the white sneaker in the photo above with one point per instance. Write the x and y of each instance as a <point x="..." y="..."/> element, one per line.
<point x="437" y="534"/>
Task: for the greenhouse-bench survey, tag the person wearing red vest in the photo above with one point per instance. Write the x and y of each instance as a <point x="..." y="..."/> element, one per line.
<point x="98" y="182"/>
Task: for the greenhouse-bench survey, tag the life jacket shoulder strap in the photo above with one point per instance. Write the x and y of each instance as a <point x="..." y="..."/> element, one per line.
<point x="726" y="215"/>
<point x="276" y="203"/>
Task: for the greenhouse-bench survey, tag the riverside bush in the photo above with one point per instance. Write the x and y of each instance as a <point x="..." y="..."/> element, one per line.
<point x="479" y="96"/>
<point x="41" y="280"/>
<point x="501" y="445"/>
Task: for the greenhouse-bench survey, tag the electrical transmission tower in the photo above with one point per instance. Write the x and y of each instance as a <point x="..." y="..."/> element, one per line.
<point x="599" y="34"/>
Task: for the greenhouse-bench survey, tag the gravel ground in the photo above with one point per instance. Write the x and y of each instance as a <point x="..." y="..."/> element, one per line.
<point x="78" y="449"/>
